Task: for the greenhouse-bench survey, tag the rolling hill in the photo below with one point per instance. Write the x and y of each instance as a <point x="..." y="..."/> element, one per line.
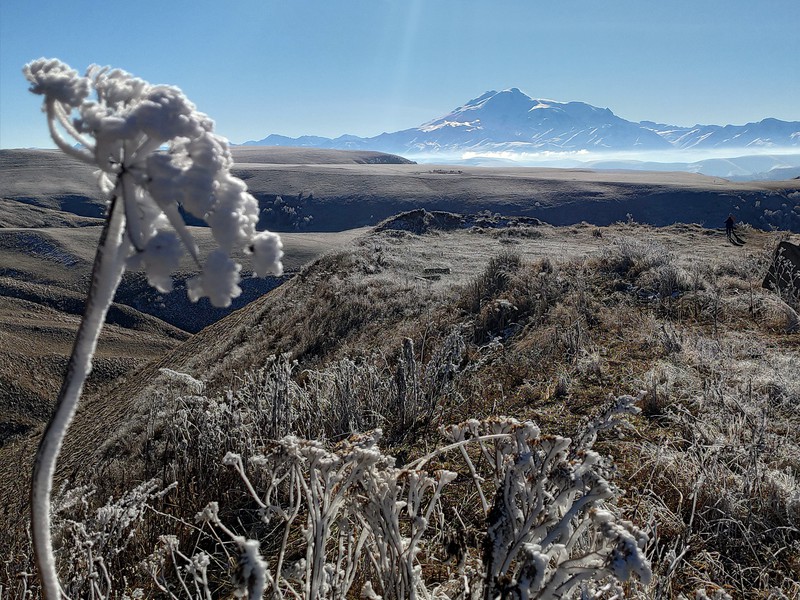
<point x="356" y="189"/>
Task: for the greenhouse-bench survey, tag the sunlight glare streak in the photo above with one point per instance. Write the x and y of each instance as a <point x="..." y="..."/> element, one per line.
<point x="402" y="65"/>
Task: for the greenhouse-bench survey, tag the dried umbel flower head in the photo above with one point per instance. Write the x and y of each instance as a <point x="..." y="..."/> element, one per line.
<point x="157" y="155"/>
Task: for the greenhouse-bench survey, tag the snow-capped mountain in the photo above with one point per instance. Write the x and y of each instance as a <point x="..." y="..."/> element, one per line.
<point x="512" y="121"/>
<point x="768" y="133"/>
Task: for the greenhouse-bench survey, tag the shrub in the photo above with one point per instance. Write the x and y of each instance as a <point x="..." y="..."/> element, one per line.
<point x="494" y="279"/>
<point x="630" y="256"/>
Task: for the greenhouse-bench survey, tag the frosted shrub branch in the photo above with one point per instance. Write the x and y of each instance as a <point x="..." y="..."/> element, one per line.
<point x="550" y="529"/>
<point x="547" y="529"/>
<point x="358" y="512"/>
<point x="93" y="541"/>
<point x="156" y="155"/>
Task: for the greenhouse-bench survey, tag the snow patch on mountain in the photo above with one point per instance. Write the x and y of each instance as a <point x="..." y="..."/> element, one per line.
<point x="512" y="123"/>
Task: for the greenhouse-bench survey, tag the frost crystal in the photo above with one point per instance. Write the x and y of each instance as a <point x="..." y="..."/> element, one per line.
<point x="219" y="280"/>
<point x="55" y="80"/>
<point x="157" y="155"/>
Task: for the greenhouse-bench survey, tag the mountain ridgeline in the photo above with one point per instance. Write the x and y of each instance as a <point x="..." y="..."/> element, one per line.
<point x="512" y="121"/>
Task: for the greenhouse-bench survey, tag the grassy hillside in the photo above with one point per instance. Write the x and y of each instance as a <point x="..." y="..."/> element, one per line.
<point x="411" y="327"/>
<point x="61" y="258"/>
<point x="44" y="275"/>
<point x="50" y="217"/>
<point x="422" y="321"/>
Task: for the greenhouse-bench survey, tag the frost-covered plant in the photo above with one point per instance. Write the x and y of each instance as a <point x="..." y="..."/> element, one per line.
<point x="356" y="512"/>
<point x="632" y="256"/>
<point x="443" y="368"/>
<point x="548" y="528"/>
<point x="723" y="487"/>
<point x="337" y="515"/>
<point x="156" y="155"/>
<point x="495" y="278"/>
<point x="783" y="276"/>
<point x="92" y="541"/>
<point x="167" y="560"/>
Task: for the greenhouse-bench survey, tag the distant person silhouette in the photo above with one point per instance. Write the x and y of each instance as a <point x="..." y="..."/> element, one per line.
<point x="729" y="227"/>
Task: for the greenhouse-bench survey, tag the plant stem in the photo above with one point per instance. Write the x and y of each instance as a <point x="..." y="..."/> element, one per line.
<point x="109" y="264"/>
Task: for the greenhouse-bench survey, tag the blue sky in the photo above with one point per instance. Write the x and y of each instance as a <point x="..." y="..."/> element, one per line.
<point x="329" y="67"/>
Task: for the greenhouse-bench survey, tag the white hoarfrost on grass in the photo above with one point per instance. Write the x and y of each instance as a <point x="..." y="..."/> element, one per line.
<point x="549" y="531"/>
<point x="156" y="155"/>
<point x="336" y="520"/>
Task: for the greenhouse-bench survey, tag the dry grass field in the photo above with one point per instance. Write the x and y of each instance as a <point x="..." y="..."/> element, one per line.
<point x="549" y="322"/>
<point x="422" y="321"/>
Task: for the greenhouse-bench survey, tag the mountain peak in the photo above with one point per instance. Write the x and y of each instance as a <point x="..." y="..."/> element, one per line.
<point x="512" y="121"/>
<point x="482" y="98"/>
<point x="491" y="103"/>
<point x="493" y="97"/>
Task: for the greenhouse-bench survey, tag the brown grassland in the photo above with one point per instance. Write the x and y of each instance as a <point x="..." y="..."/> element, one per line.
<point x="420" y="321"/>
<point x="530" y="321"/>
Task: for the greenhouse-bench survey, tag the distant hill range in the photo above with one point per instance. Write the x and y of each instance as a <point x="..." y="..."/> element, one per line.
<point x="510" y="121"/>
<point x="320" y="190"/>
